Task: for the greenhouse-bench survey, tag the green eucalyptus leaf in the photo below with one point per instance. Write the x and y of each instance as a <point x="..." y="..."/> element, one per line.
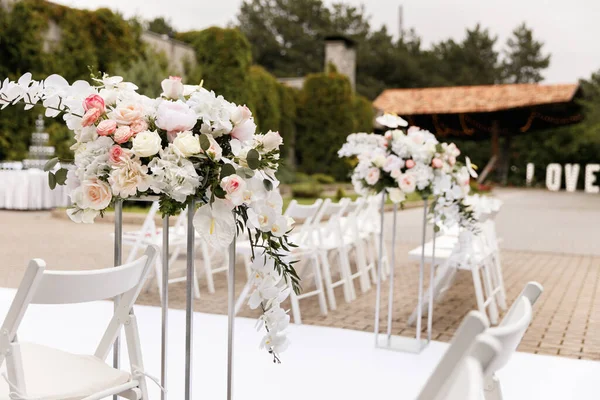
<point x="61" y="176"/>
<point x="204" y="142"/>
<point x="245" y="172"/>
<point x="227" y="170"/>
<point x="219" y="192"/>
<point x="51" y="164"/>
<point x="268" y="184"/>
<point x="51" y="180"/>
<point x="253" y="159"/>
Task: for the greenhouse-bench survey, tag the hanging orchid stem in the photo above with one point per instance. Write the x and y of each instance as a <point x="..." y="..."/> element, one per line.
<point x="276" y="359"/>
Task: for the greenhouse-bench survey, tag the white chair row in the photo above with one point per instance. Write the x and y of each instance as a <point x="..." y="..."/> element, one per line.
<point x="478" y="253"/>
<point x="150" y="234"/>
<point x="467" y="371"/>
<point x="329" y="235"/>
<point x="34" y="371"/>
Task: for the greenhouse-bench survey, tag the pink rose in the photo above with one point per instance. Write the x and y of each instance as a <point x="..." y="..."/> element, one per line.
<point x="106" y="127"/>
<point x="175" y="116"/>
<point x="410" y="164"/>
<point x="90" y="117"/>
<point x="93" y="101"/>
<point x="372" y="176"/>
<point x="241" y="114"/>
<point x="437" y="163"/>
<point x="452" y="161"/>
<point x="96" y="194"/>
<point x="139" y="125"/>
<point x="244" y="131"/>
<point x="116" y="154"/>
<point x="172" y="87"/>
<point x="126" y="114"/>
<point x="234" y="186"/>
<point x="123" y="134"/>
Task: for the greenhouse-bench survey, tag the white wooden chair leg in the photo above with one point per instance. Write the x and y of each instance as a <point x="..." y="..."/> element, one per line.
<point x="347" y="270"/>
<point x="489" y="290"/>
<point x="319" y="285"/>
<point x="195" y="282"/>
<point x="210" y="283"/>
<point x="498" y="273"/>
<point x="361" y="264"/>
<point x="328" y="281"/>
<point x="493" y="390"/>
<point x="132" y="336"/>
<point x="158" y="275"/>
<point x="14" y="368"/>
<point x="295" y="308"/>
<point x="243" y="296"/>
<point x="478" y="290"/>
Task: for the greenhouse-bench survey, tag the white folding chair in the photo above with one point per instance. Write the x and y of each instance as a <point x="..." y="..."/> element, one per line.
<point x="510" y="333"/>
<point x="460" y="373"/>
<point x="140" y="238"/>
<point x="327" y="240"/>
<point x="39" y="372"/>
<point x="369" y="226"/>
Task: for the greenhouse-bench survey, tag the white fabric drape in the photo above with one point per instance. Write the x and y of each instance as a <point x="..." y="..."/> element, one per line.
<point x="28" y="190"/>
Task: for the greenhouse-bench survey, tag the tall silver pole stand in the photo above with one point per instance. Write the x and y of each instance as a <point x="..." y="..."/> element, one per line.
<point x="165" y="306"/>
<point x="421" y="273"/>
<point x="189" y="299"/>
<point x="391" y="277"/>
<point x="431" y="281"/>
<point x="117" y="261"/>
<point x="230" y="316"/>
<point x="379" y="271"/>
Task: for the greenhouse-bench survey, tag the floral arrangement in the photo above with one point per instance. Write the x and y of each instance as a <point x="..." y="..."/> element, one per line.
<point x="188" y="143"/>
<point x="401" y="163"/>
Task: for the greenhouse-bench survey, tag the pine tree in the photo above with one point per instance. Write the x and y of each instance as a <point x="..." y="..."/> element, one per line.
<point x="524" y="59"/>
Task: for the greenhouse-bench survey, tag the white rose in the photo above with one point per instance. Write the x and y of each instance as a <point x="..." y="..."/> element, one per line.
<point x="244" y="131"/>
<point x="175" y="116"/>
<point x="372" y="176"/>
<point x="240" y="114"/>
<point x="187" y="144"/>
<point x="147" y="143"/>
<point x="271" y="141"/>
<point x="214" y="151"/>
<point x="379" y="161"/>
<point x="172" y="87"/>
<point x="96" y="194"/>
<point x="407" y="183"/>
<point x="129" y="177"/>
<point x="79" y="215"/>
<point x="396" y="195"/>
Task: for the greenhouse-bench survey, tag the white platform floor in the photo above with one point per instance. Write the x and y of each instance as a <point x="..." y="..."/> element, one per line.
<point x="322" y="363"/>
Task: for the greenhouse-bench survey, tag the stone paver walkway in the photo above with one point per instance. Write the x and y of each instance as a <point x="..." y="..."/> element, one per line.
<point x="548" y="237"/>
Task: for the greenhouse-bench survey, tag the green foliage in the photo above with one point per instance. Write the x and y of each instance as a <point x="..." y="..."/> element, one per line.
<point x="324" y="120"/>
<point x="224" y="58"/>
<point x="363" y="114"/>
<point x="147" y="72"/>
<point x="266" y="101"/>
<point x="161" y="26"/>
<point x="287" y="125"/>
<point x="524" y="59"/>
<point x="101" y="39"/>
<point x="340" y="193"/>
<point x="323" y="178"/>
<point x="306" y="190"/>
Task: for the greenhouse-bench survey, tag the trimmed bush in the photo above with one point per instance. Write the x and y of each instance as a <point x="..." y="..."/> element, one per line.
<point x="287" y="126"/>
<point x="224" y="58"/>
<point x="267" y="107"/>
<point x="306" y="190"/>
<point x="363" y="114"/>
<point x="325" y="119"/>
<point x="323" y="178"/>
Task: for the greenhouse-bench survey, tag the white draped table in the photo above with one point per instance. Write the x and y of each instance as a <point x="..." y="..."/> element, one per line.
<point x="29" y="190"/>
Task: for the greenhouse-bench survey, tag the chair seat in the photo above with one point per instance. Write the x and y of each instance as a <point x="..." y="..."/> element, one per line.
<point x="52" y="374"/>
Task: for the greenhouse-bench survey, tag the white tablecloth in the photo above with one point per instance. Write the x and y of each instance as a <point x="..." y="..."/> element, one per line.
<point x="28" y="190"/>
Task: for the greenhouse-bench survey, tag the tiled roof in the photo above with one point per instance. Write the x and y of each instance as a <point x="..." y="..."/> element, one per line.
<point x="472" y="99"/>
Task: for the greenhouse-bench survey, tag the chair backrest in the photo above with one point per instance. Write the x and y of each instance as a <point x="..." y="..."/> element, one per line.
<point x="328" y="219"/>
<point x="306" y="214"/>
<point x="464" y="338"/>
<point x="512" y="328"/>
<point x="63" y="287"/>
<point x="146" y="233"/>
<point x="466" y="381"/>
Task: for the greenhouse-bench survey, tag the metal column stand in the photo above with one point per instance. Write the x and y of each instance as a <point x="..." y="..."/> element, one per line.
<point x="387" y="340"/>
<point x="230" y="316"/>
<point x="189" y="299"/>
<point x="164" y="307"/>
<point x="118" y="253"/>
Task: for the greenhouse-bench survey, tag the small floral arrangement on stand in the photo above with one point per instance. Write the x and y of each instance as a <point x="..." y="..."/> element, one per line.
<point x="188" y="143"/>
<point x="401" y="163"/>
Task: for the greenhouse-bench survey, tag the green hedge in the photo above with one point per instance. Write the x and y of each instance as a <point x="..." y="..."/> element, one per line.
<point x="288" y="97"/>
<point x="265" y="100"/>
<point x="325" y="118"/>
<point x="363" y="114"/>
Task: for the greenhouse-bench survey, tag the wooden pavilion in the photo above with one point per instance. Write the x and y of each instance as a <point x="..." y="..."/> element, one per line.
<point x="488" y="112"/>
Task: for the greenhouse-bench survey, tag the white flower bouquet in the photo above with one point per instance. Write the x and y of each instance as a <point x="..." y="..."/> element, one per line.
<point x="401" y="163"/>
<point x="188" y="143"/>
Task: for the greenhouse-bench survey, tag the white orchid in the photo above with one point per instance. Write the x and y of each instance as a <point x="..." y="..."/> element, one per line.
<point x="391" y="121"/>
